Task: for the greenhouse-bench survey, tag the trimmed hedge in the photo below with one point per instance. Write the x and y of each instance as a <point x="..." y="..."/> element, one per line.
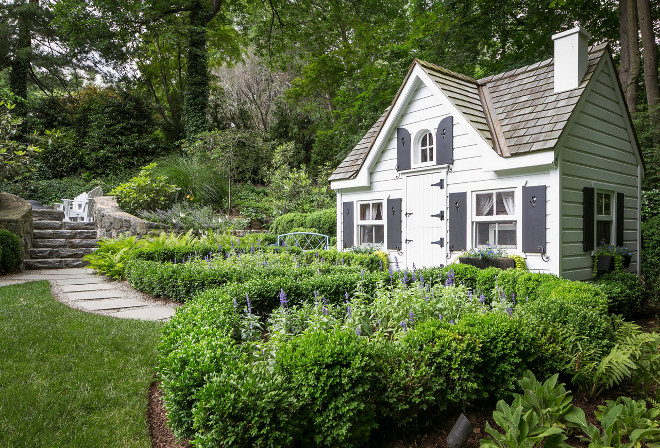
<point x="322" y="221"/>
<point x="624" y="291"/>
<point x="10" y="251"/>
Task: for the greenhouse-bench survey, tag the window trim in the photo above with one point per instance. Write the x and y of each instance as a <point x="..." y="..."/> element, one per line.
<point x="495" y="218"/>
<point x="605" y="218"/>
<point x="415" y="148"/>
<point x="370" y="222"/>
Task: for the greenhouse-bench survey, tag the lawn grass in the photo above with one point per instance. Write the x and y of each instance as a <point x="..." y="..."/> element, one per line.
<point x="71" y="379"/>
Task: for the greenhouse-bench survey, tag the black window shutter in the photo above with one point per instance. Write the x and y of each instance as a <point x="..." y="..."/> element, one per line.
<point x="394" y="224"/>
<point x="402" y="149"/>
<point x="619" y="219"/>
<point x="457" y="221"/>
<point x="347" y="220"/>
<point x="444" y="141"/>
<point x="588" y="216"/>
<point x="533" y="219"/>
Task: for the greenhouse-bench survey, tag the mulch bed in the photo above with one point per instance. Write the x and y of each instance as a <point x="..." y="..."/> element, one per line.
<point x="434" y="435"/>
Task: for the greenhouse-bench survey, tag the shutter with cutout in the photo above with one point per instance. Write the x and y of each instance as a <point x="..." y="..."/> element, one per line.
<point x="619" y="219"/>
<point x="394" y="224"/>
<point x="402" y="149"/>
<point x="588" y="216"/>
<point x="348" y="224"/>
<point x="457" y="221"/>
<point x="533" y="219"/>
<point x="444" y="141"/>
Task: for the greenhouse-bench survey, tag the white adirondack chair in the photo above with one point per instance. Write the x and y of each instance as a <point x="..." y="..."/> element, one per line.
<point x="80" y="207"/>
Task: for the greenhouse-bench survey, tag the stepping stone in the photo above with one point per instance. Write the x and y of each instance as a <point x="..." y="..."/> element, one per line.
<point x="95" y="295"/>
<point x="86" y="280"/>
<point x="88" y="287"/>
<point x="151" y="313"/>
<point x="69" y="272"/>
<point x="109" y="304"/>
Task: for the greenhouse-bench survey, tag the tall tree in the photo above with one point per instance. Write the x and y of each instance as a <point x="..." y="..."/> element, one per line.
<point x="650" y="62"/>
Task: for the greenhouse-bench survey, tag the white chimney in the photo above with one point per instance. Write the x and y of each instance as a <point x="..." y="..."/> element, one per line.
<point x="571" y="48"/>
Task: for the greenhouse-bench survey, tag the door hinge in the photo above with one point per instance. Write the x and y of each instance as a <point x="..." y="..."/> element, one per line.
<point x="440" y="242"/>
<point x="408" y="214"/>
<point x="440" y="184"/>
<point x="440" y="215"/>
<point x="408" y="241"/>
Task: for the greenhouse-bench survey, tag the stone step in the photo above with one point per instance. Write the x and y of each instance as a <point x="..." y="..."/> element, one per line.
<point x="59" y="253"/>
<point x="63" y="243"/>
<point x="64" y="234"/>
<point x="47" y="215"/>
<point x="57" y="225"/>
<point x="55" y="263"/>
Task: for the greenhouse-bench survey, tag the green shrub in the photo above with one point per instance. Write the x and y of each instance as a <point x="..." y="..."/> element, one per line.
<point x="431" y="369"/>
<point x="196" y="179"/>
<point x="528" y="283"/>
<point x="487" y="280"/>
<point x="580" y="293"/>
<point x="508" y="347"/>
<point x="285" y="223"/>
<point x="10" y="251"/>
<point x="650" y="256"/>
<point x="332" y="374"/>
<point x="144" y="192"/>
<point x="625" y="292"/>
<point x="507" y="282"/>
<point x="198" y="341"/>
<point x="324" y="221"/>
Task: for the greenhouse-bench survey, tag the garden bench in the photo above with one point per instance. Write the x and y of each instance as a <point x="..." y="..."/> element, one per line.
<point x="80" y="207"/>
<point x="304" y="240"/>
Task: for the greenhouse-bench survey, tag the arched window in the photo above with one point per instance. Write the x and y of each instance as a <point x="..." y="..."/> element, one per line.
<point x="426" y="148"/>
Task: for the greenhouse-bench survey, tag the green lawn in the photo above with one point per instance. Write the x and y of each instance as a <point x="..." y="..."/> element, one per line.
<point x="71" y="379"/>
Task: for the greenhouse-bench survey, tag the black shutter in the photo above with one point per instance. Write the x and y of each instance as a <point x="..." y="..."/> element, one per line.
<point x="619" y="219"/>
<point x="402" y="149"/>
<point x="533" y="219"/>
<point x="444" y="141"/>
<point x="457" y="221"/>
<point x="394" y="224"/>
<point x="347" y="220"/>
<point x="588" y="216"/>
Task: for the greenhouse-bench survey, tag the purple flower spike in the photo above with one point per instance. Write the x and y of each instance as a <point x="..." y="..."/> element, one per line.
<point x="249" y="305"/>
<point x="411" y="315"/>
<point x="405" y="326"/>
<point x="358" y="331"/>
<point x="346" y="296"/>
<point x="362" y="274"/>
<point x="421" y="277"/>
<point x="405" y="277"/>
<point x="451" y="321"/>
<point x="283" y="299"/>
<point x="396" y="262"/>
<point x="348" y="311"/>
<point x="235" y="303"/>
<point x="509" y="311"/>
<point x="470" y="294"/>
<point x="380" y="263"/>
<point x="440" y="316"/>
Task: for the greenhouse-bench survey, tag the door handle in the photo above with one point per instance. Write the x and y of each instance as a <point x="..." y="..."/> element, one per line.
<point x="408" y="214"/>
<point x="408" y="241"/>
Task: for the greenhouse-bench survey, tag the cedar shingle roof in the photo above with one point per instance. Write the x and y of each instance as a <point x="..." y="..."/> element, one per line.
<point x="515" y="112"/>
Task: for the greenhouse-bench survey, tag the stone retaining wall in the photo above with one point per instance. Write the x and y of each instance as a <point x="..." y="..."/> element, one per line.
<point x="16" y="216"/>
<point x="112" y="220"/>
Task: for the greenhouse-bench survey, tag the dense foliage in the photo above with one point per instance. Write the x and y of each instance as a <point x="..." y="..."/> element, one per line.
<point x="10" y="251"/>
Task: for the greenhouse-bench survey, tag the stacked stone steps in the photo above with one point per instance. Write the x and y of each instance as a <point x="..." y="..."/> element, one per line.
<point x="58" y="244"/>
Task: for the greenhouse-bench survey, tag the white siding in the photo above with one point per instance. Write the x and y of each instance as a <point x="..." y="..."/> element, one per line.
<point x="597" y="151"/>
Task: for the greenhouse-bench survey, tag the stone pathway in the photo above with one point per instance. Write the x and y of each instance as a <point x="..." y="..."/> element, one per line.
<point x="81" y="289"/>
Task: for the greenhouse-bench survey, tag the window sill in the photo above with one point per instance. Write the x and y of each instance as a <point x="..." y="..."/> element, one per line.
<point x="423" y="168"/>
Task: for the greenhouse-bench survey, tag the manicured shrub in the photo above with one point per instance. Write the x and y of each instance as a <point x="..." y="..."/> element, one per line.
<point x="507" y="282"/>
<point x="10" y="251"/>
<point x="508" y="347"/>
<point x="528" y="283"/>
<point x="431" y="369"/>
<point x="580" y="293"/>
<point x="285" y="223"/>
<point x="144" y="192"/>
<point x="332" y="375"/>
<point x="486" y="281"/>
<point x="199" y="340"/>
<point x="625" y="292"/>
<point x="324" y="221"/>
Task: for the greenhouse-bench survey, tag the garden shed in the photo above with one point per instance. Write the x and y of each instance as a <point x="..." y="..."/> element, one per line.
<point x="542" y="161"/>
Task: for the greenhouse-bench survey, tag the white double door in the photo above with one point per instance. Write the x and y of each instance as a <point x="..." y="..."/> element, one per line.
<point x="425" y="220"/>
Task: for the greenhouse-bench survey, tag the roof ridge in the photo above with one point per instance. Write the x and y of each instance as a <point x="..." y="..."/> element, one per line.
<point x="534" y="66"/>
<point x="446" y="71"/>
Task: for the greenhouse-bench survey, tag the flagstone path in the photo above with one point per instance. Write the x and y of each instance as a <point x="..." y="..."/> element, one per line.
<point x="80" y="288"/>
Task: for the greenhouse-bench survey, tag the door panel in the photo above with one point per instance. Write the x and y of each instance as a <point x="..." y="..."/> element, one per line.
<point x="421" y="229"/>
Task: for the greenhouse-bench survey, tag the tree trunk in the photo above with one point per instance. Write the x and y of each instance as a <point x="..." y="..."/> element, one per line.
<point x="635" y="61"/>
<point x="20" y="66"/>
<point x="624" y="61"/>
<point x="196" y="95"/>
<point x="650" y="65"/>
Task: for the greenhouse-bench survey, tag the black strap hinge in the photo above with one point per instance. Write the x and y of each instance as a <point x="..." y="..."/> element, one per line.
<point x="440" y="184"/>
<point x="440" y="242"/>
<point x="440" y="215"/>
